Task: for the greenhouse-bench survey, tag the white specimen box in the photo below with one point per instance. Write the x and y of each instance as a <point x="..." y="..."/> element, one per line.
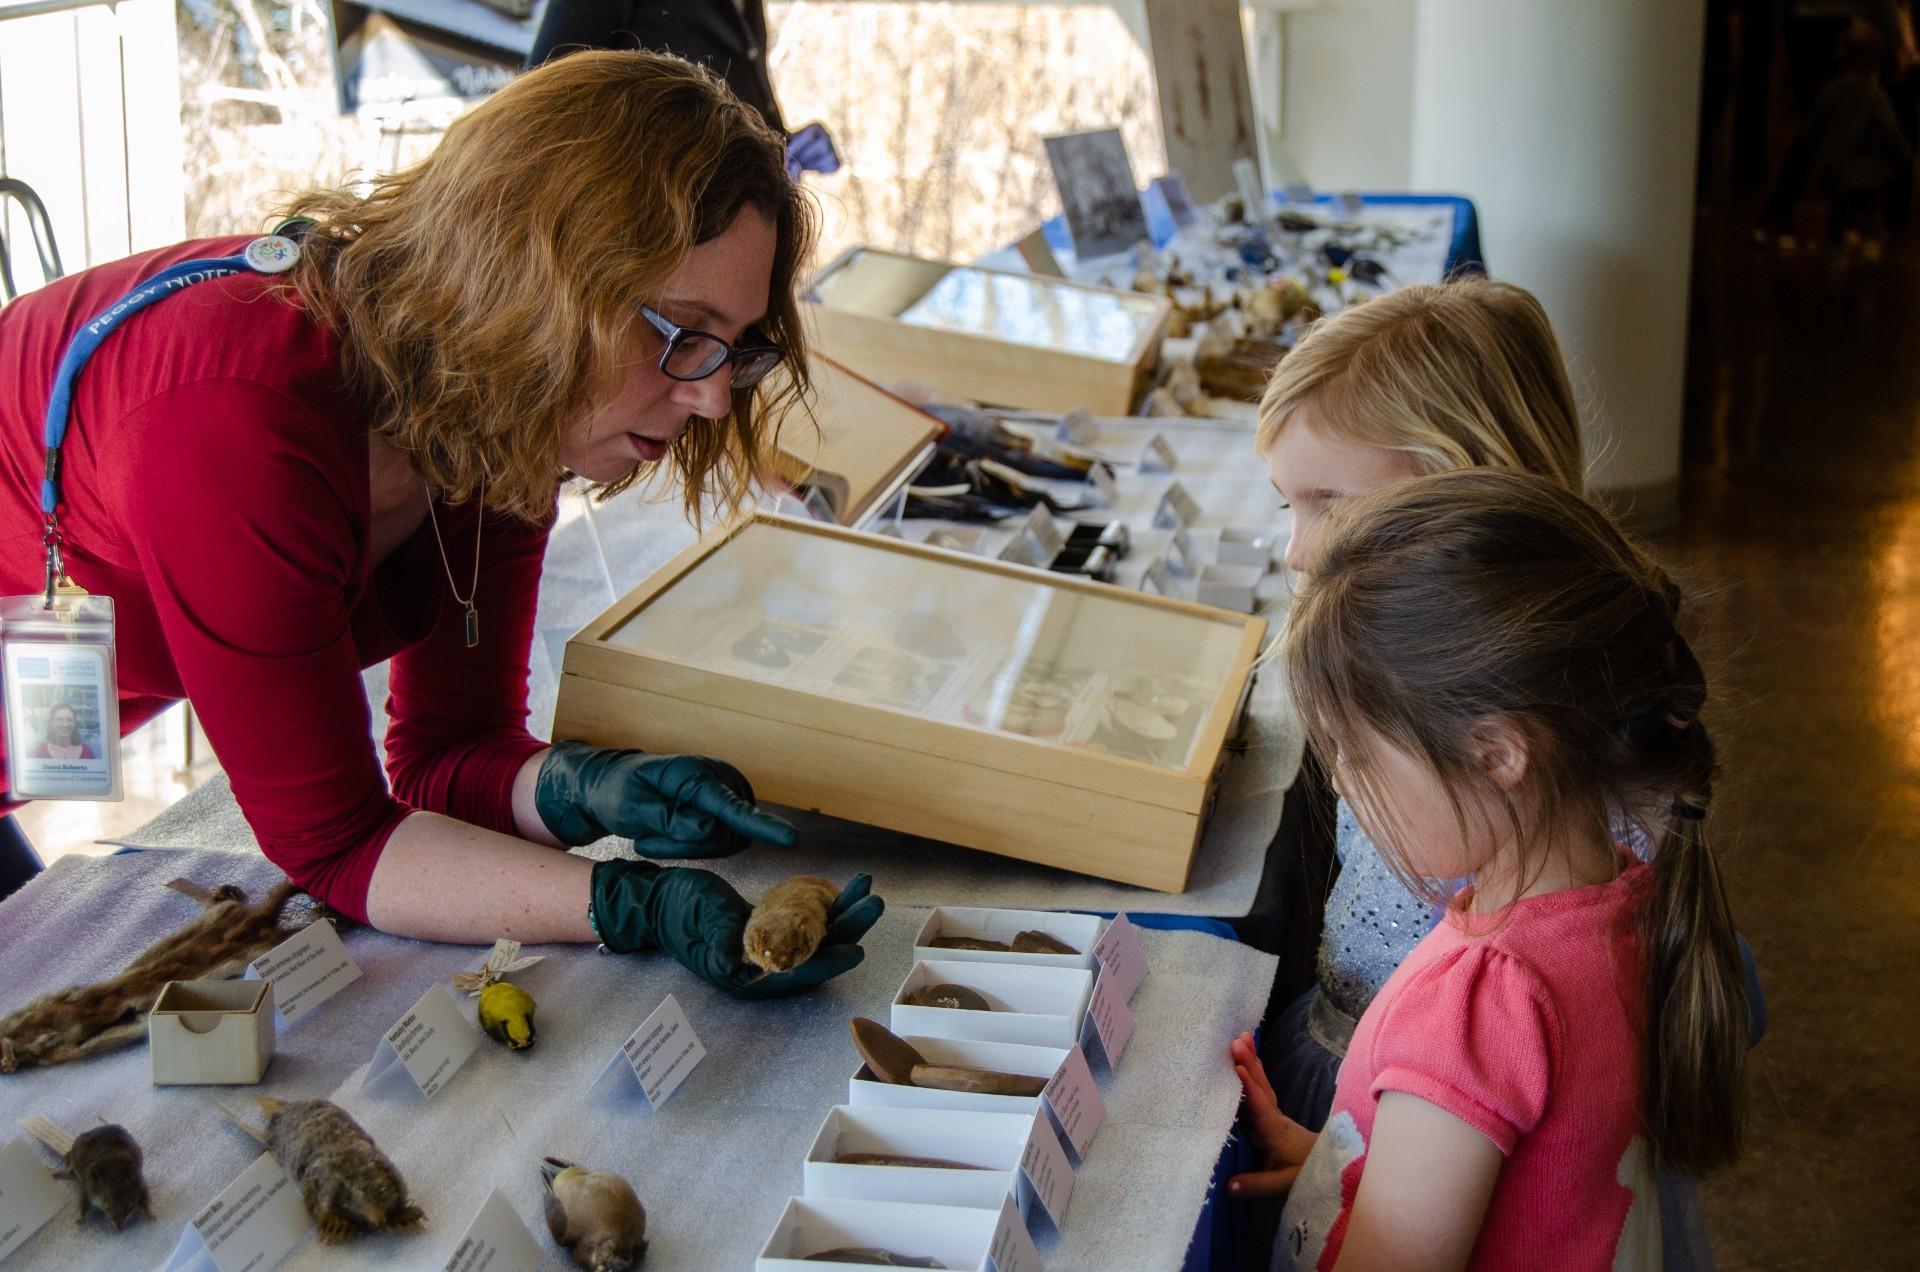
<point x="990" y="1141"/>
<point x="1036" y="1006"/>
<point x="1078" y="930"/>
<point x="957" y="1236"/>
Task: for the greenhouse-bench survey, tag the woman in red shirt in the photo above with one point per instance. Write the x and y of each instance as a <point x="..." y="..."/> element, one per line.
<point x="63" y="741"/>
<point x="281" y="479"/>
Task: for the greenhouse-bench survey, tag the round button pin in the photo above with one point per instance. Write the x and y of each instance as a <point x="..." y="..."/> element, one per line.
<point x="272" y="253"/>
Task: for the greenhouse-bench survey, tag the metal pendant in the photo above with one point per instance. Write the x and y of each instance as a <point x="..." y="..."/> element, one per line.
<point x="473" y="627"/>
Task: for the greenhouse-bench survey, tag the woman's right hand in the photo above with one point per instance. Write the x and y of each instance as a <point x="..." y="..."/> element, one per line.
<point x="1283" y="1144"/>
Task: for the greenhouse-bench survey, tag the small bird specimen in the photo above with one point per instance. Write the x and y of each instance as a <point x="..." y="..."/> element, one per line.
<point x="505" y="1010"/>
<point x="104" y="1163"/>
<point x="349" y="1185"/>
<point x="594" y="1216"/>
<point x="789" y="924"/>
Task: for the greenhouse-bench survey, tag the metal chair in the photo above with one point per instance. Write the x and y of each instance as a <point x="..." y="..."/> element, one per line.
<point x="41" y="227"/>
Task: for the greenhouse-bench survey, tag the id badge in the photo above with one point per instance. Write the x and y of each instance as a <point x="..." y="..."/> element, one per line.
<point x="62" y="704"/>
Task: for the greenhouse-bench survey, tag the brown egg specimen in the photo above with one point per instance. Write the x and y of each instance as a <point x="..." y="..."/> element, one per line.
<point x="951" y="997"/>
<point x="872" y="1256"/>
<point x="1037" y="942"/>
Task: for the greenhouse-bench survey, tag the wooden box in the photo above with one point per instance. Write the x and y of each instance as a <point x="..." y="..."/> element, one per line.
<point x="863" y="447"/>
<point x="976" y="702"/>
<point x="211" y="1032"/>
<point x="989" y="335"/>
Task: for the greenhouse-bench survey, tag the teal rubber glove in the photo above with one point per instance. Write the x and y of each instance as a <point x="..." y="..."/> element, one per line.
<point x="697" y="918"/>
<point x="669" y="805"/>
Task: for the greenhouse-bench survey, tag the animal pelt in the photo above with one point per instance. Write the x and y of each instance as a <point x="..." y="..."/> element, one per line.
<point x="84" y="1020"/>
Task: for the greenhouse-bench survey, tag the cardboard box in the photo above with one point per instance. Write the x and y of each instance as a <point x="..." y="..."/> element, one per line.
<point x="1078" y="930"/>
<point x="990" y="1141"/>
<point x="964" y="700"/>
<point x="213" y="1032"/>
<point x="1034" y="1006"/>
<point x="865" y="1090"/>
<point x="957" y="1237"/>
<point x="988" y="335"/>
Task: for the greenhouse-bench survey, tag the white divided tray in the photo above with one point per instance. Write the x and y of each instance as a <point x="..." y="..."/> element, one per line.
<point x="1036" y="1006"/>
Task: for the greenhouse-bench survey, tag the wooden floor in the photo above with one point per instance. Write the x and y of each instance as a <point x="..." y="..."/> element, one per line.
<point x="1802" y="534"/>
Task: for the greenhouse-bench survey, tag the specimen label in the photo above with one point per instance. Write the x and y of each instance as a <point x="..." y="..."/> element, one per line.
<point x="305" y="970"/>
<point x="430" y="1042"/>
<point x="29" y="1195"/>
<point x="254" y="1222"/>
<point x="1075" y="1101"/>
<point x="496" y="1241"/>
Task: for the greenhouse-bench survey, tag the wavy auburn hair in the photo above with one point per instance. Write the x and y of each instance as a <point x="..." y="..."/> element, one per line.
<point x="485" y="297"/>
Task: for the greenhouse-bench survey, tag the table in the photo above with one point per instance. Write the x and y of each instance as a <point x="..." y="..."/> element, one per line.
<point x="714" y="1167"/>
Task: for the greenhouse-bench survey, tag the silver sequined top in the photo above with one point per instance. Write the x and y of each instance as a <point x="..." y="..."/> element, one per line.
<point x="1372" y="921"/>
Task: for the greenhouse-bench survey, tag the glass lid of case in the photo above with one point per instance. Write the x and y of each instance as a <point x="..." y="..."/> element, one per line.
<point x="862" y="622"/>
<point x="1033" y="311"/>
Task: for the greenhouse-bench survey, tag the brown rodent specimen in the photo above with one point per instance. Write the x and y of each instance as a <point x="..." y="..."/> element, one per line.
<point x="347" y="1182"/>
<point x="789" y="923"/>
<point x="105" y="1163"/>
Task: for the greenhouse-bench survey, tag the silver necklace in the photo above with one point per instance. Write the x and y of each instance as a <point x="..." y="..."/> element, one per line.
<point x="473" y="588"/>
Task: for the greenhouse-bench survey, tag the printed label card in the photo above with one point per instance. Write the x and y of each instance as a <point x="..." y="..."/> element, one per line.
<point x="496" y="1241"/>
<point x="657" y="1057"/>
<point x="1109" y="1021"/>
<point x="1074" y="1103"/>
<point x="305" y="970"/>
<point x="429" y="1044"/>
<point x="29" y="1195"/>
<point x="255" y="1222"/>
<point x="1120" y="956"/>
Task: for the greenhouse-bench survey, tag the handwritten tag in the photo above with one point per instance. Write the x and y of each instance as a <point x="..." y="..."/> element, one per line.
<point x="1106" y="487"/>
<point x="1011" y="1249"/>
<point x="1158" y="457"/>
<point x="1177" y="509"/>
<point x="1180" y="553"/>
<point x="1109" y="1019"/>
<point x="1120" y="956"/>
<point x="496" y="1241"/>
<point x="430" y="1042"/>
<point x="255" y="1222"/>
<point x="1046" y="1171"/>
<point x="29" y="1195"/>
<point x="305" y="970"/>
<point x="1075" y="1103"/>
<point x="1078" y="427"/>
<point x="658" y="1056"/>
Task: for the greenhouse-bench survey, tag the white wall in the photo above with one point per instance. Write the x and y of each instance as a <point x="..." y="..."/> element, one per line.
<point x="1573" y="124"/>
<point x="90" y="118"/>
<point x="1347" y="93"/>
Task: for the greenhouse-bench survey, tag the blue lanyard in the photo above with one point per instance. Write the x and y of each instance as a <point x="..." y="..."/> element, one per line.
<point x="272" y="254"/>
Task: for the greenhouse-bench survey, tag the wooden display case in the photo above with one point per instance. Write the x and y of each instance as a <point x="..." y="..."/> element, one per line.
<point x="929" y="692"/>
<point x="862" y="448"/>
<point x="989" y="335"/>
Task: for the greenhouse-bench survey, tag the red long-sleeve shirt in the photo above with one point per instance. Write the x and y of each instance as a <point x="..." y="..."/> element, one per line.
<point x="215" y="485"/>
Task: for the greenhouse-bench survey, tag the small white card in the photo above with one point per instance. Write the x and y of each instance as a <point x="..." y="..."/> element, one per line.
<point x="1158" y="578"/>
<point x="1011" y="1249"/>
<point x="1120" y="956"/>
<point x="1048" y="1173"/>
<point x="1180" y="554"/>
<point x="305" y="970"/>
<point x="1075" y="1102"/>
<point x="430" y="1042"/>
<point x="1177" y="508"/>
<point x="496" y="1241"/>
<point x="1109" y="1019"/>
<point x="1079" y="427"/>
<point x="1105" y="486"/>
<point x="255" y="1222"/>
<point x="658" y="1055"/>
<point x="29" y="1195"/>
<point x="1158" y="456"/>
<point x="1246" y="179"/>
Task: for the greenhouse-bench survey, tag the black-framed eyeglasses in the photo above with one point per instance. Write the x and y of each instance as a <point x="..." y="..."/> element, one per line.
<point x="695" y="355"/>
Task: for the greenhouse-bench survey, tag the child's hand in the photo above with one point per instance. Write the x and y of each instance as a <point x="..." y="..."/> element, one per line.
<point x="1283" y="1143"/>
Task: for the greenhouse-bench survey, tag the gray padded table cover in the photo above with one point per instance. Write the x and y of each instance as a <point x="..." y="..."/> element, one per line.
<point x="714" y="1167"/>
